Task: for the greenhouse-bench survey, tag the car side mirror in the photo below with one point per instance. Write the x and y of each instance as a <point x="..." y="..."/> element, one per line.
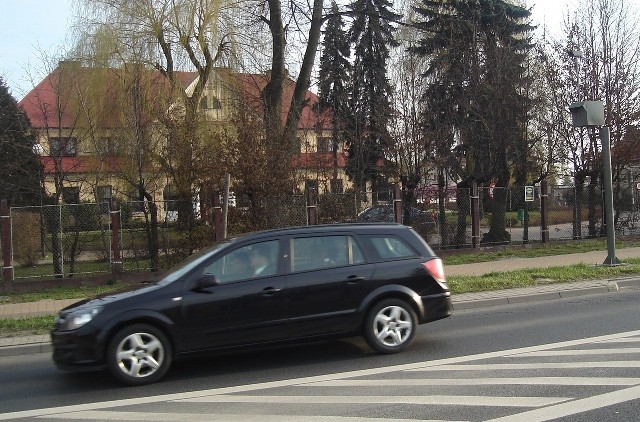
<point x="206" y="281"/>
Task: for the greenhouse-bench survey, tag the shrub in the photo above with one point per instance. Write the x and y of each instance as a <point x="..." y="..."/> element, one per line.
<point x="26" y="237"/>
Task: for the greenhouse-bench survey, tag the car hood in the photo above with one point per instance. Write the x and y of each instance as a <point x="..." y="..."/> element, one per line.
<point x="106" y="298"/>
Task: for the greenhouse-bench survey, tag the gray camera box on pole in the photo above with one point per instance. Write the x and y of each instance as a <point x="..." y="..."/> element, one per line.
<point x="587" y="113"/>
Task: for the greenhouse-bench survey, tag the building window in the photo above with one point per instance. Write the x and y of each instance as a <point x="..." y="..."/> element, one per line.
<point x="311" y="184"/>
<point x="103" y="195"/>
<point x="170" y="197"/>
<point x="135" y="204"/>
<point x="337" y="186"/>
<point x="63" y="147"/>
<point x="324" y="145"/>
<point x="210" y="103"/>
<point x="109" y="146"/>
<point x="297" y="145"/>
<point x="71" y="195"/>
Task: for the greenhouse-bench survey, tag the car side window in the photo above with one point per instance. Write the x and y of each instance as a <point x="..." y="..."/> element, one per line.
<point x="391" y="247"/>
<point x="310" y="253"/>
<point x="255" y="260"/>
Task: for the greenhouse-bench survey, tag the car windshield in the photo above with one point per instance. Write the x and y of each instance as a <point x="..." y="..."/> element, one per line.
<point x="190" y="263"/>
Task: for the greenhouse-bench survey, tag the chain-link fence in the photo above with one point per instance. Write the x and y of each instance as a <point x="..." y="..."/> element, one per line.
<point x="61" y="240"/>
<point x="338" y="208"/>
<point x="265" y="213"/>
<point x="70" y="240"/>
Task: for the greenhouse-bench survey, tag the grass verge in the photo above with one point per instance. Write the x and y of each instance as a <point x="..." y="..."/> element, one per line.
<point x="26" y="326"/>
<point x="557" y="248"/>
<point x="541" y="276"/>
<point x="62" y="292"/>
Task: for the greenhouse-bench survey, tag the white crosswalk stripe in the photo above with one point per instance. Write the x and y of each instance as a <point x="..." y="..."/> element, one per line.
<point x="574" y="407"/>
<point x="432" y="400"/>
<point x="519" y="385"/>
<point x="480" y="381"/>
<point x="99" y="415"/>
<point x="521" y="366"/>
<point x="584" y="352"/>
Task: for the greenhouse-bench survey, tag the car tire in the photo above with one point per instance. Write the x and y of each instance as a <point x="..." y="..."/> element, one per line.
<point x="390" y="326"/>
<point x="139" y="354"/>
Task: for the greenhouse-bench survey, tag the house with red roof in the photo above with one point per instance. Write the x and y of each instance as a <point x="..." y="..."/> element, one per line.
<point x="78" y="114"/>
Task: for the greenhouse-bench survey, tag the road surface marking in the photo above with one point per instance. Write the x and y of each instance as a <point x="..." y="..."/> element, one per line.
<point x="101" y="415"/>
<point x="584" y="352"/>
<point x="574" y="407"/>
<point x="541" y="365"/>
<point x="440" y="400"/>
<point x="52" y="411"/>
<point x="478" y="381"/>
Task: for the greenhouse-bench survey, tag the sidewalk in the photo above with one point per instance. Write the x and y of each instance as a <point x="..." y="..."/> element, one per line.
<point x="12" y="346"/>
<point x="512" y="264"/>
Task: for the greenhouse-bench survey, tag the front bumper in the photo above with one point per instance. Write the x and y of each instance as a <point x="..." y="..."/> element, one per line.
<point x="78" y="350"/>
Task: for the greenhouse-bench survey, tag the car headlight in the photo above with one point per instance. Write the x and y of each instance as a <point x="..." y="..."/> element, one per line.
<point x="79" y="318"/>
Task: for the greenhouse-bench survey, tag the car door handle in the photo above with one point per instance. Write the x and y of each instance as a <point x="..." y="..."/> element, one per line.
<point x="354" y="278"/>
<point x="269" y="291"/>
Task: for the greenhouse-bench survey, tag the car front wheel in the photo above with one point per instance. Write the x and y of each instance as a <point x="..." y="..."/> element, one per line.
<point x="390" y="326"/>
<point x="139" y="354"/>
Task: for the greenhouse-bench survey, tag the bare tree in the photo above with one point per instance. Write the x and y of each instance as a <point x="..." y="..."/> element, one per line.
<point x="599" y="51"/>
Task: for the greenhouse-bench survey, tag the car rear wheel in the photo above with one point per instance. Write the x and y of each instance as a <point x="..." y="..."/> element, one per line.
<point x="390" y="326"/>
<point x="139" y="354"/>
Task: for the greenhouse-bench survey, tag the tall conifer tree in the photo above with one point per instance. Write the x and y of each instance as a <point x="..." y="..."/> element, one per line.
<point x="371" y="35"/>
<point x="477" y="51"/>
<point x="19" y="166"/>
<point x="334" y="74"/>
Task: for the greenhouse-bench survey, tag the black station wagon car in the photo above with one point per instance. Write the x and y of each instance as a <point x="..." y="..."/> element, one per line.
<point x="376" y="280"/>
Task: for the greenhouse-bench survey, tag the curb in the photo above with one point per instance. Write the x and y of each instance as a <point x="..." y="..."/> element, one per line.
<point x="25" y="349"/>
<point x="535" y="297"/>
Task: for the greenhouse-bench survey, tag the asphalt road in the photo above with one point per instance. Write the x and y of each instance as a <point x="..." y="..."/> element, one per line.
<point x="32" y="382"/>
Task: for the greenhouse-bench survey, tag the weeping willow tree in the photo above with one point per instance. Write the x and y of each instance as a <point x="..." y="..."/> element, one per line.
<point x="154" y="43"/>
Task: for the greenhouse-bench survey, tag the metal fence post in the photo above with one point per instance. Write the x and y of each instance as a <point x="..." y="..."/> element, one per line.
<point x="217" y="217"/>
<point x="225" y="205"/>
<point x="544" y="211"/>
<point x="475" y="215"/>
<point x="397" y="203"/>
<point x="7" y="267"/>
<point x="116" y="253"/>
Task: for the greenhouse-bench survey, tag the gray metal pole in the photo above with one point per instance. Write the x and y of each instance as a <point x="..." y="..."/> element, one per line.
<point x="608" y="196"/>
<point x="225" y="204"/>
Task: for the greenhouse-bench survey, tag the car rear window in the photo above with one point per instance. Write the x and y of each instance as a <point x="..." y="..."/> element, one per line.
<point x="391" y="247"/>
<point x="311" y="253"/>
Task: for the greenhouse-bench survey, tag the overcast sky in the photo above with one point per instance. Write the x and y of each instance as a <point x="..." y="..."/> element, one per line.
<point x="29" y="28"/>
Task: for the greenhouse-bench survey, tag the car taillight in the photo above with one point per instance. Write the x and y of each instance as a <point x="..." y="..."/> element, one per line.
<point x="435" y="268"/>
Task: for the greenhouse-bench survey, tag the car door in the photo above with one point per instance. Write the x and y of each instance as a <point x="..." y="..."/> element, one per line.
<point x="326" y="283"/>
<point x="242" y="308"/>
